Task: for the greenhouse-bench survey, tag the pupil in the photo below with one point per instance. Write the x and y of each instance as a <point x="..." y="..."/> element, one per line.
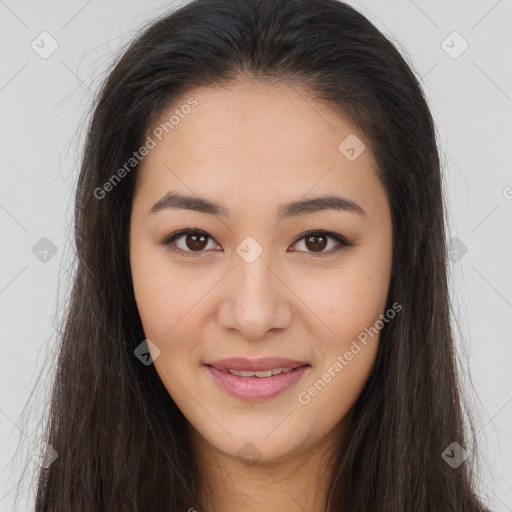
<point x="316" y="246"/>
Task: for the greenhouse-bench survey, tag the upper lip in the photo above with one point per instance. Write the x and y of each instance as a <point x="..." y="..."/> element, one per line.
<point x="255" y="365"/>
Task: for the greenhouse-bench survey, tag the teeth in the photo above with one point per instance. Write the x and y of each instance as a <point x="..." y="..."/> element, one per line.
<point x="266" y="373"/>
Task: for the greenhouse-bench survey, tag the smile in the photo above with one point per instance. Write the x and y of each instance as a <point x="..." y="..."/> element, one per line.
<point x="265" y="373"/>
<point x="257" y="385"/>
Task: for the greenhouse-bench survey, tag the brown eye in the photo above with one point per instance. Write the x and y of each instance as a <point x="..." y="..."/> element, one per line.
<point x="189" y="242"/>
<point x="316" y="243"/>
<point x="196" y="242"/>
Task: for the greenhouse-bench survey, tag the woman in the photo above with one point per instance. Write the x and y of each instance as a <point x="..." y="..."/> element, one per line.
<point x="260" y="317"/>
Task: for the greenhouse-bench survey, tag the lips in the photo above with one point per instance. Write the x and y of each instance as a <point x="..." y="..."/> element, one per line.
<point x="257" y="388"/>
<point x="257" y="379"/>
<point x="256" y="365"/>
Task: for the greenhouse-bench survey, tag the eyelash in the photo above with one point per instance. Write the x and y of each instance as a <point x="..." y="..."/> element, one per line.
<point x="168" y="240"/>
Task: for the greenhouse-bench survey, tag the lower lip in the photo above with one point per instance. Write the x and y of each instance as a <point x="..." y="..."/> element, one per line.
<point x="257" y="388"/>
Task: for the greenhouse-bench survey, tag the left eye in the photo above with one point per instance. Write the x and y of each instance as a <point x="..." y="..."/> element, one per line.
<point x="196" y="241"/>
<point x="318" y="241"/>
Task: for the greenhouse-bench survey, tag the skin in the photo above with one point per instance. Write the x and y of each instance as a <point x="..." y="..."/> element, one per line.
<point x="252" y="147"/>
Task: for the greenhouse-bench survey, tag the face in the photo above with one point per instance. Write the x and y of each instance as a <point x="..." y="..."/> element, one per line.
<point x="256" y="277"/>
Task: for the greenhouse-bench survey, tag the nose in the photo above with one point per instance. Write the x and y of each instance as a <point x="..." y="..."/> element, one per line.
<point x="255" y="299"/>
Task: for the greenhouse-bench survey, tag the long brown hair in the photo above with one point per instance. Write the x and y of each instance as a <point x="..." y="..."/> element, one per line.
<point x="122" y="441"/>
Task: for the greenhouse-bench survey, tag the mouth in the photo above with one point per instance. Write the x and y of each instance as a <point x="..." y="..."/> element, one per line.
<point x="241" y="364"/>
<point x="260" y="374"/>
<point x="257" y="379"/>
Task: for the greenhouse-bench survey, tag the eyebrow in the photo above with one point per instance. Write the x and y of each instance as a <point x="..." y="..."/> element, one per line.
<point x="173" y="200"/>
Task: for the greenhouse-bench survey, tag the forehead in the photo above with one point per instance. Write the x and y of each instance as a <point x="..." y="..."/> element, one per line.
<point x="258" y="140"/>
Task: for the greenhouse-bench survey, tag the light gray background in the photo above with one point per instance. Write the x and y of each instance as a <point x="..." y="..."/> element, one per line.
<point x="43" y="104"/>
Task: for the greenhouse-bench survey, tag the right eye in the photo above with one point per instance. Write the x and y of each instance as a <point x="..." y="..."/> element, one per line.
<point x="193" y="243"/>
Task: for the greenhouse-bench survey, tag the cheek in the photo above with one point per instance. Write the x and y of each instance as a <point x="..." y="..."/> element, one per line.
<point x="352" y="305"/>
<point x="163" y="293"/>
<point x="346" y="352"/>
<point x="165" y="303"/>
<point x="347" y="300"/>
<point x="171" y="301"/>
<point x="332" y="392"/>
